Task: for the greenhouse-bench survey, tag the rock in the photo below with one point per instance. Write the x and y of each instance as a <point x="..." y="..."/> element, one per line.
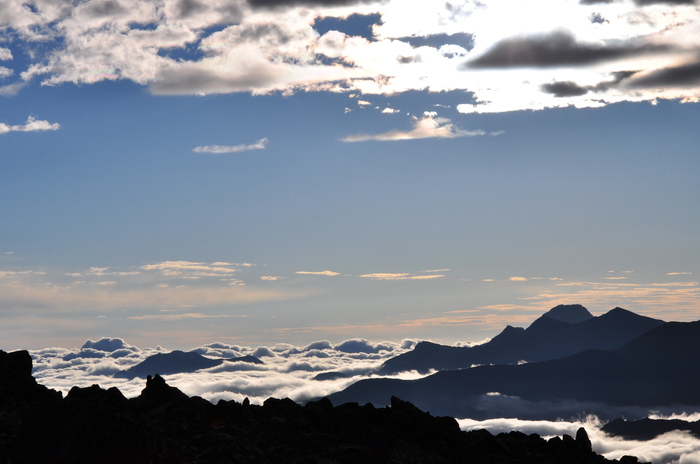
<point x="582" y="440"/>
<point x="163" y="425"/>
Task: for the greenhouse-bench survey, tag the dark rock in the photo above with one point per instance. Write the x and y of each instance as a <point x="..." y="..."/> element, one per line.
<point x="582" y="440"/>
<point x="246" y="359"/>
<point x="157" y="392"/>
<point x="163" y="425"/>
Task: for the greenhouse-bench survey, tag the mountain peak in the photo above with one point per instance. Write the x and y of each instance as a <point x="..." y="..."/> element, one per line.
<point x="571" y="314"/>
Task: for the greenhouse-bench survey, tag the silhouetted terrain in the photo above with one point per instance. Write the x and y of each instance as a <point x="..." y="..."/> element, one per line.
<point x="646" y="429"/>
<point x="177" y="362"/>
<point x="661" y="368"/>
<point x="562" y="331"/>
<point x="163" y="425"/>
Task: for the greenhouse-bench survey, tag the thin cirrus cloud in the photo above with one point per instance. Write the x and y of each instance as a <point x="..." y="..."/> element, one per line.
<point x="323" y="273"/>
<point x="222" y="149"/>
<point x="428" y="126"/>
<point x="32" y="125"/>
<point x="400" y="276"/>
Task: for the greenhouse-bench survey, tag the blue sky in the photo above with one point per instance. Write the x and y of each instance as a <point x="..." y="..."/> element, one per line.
<point x="177" y="173"/>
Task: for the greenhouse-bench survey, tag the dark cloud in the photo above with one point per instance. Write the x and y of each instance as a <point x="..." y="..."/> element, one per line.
<point x="664" y="2"/>
<point x="109" y="8"/>
<point x="687" y="75"/>
<point x="641" y="2"/>
<point x="270" y="4"/>
<point x="554" y="49"/>
<point x="409" y="59"/>
<point x="564" y="89"/>
<point x="597" y="18"/>
<point x="464" y="40"/>
<point x="572" y="89"/>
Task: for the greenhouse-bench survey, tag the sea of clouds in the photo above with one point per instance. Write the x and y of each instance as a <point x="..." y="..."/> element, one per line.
<point x="288" y="372"/>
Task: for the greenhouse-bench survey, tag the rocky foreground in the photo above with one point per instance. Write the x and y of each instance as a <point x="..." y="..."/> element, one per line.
<point x="163" y="425"/>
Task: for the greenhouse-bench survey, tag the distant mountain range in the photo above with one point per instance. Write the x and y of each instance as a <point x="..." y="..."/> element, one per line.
<point x="177" y="362"/>
<point x="562" y="331"/>
<point x="624" y="362"/>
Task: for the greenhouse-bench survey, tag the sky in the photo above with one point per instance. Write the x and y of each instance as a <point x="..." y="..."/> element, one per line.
<point x="258" y="172"/>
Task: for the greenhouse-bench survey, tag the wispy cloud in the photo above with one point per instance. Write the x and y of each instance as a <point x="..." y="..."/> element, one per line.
<point x="32" y="125"/>
<point x="221" y="149"/>
<point x="430" y="125"/>
<point x="323" y="273"/>
<point x="191" y="269"/>
<point x="400" y="276"/>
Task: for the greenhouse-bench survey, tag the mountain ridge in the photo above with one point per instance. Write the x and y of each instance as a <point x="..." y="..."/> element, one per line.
<point x="546" y="338"/>
<point x="661" y="368"/>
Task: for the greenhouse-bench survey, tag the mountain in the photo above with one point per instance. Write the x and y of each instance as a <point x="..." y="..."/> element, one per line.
<point x="647" y="429"/>
<point x="177" y="362"/>
<point x="660" y="368"/>
<point x="163" y="425"/>
<point x="562" y="331"/>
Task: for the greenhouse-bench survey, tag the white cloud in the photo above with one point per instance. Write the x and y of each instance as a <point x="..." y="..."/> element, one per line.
<point x="428" y="126"/>
<point x="219" y="149"/>
<point x="32" y="125"/>
<point x="400" y="276"/>
<point x="278" y="50"/>
<point x="324" y="273"/>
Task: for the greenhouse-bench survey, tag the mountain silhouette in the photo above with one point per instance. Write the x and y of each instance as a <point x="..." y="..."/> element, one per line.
<point x="177" y="362"/>
<point x="660" y="368"/>
<point x="562" y="331"/>
<point x="165" y="426"/>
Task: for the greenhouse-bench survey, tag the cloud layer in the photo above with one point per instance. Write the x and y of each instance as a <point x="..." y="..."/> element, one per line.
<point x="505" y="56"/>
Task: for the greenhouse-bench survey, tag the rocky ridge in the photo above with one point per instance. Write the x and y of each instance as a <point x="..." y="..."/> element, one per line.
<point x="163" y="425"/>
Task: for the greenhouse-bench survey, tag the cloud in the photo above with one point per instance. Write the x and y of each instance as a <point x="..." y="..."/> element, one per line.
<point x="428" y="126"/>
<point x="564" y="89"/>
<point x="196" y="48"/>
<point x="177" y="317"/>
<point x="558" y="48"/>
<point x="219" y="149"/>
<point x="400" y="276"/>
<point x="517" y="279"/>
<point x="683" y="76"/>
<point x="32" y="125"/>
<point x="323" y="273"/>
<point x="5" y="54"/>
<point x="191" y="269"/>
<point x="272" y="4"/>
